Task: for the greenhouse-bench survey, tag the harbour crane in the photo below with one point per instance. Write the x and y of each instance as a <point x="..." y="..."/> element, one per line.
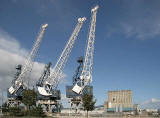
<point x="19" y="83"/>
<point x="51" y="83"/>
<point x="86" y="75"/>
<point x="47" y="89"/>
<point x="83" y="75"/>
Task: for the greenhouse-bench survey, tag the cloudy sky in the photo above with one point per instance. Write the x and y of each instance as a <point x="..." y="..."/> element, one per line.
<point x="126" y="47"/>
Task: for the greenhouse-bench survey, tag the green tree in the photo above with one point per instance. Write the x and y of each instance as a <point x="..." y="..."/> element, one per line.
<point x="88" y="103"/>
<point x="29" y="98"/>
<point x="14" y="111"/>
<point x="4" y="108"/>
<point x="39" y="111"/>
<point x="159" y="111"/>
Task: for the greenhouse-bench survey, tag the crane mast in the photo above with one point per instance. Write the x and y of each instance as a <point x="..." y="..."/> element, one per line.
<point x="86" y="75"/>
<point x="27" y="68"/>
<point x="52" y="82"/>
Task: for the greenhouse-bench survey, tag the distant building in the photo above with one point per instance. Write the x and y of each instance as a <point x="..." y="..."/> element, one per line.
<point x="137" y="111"/>
<point x="119" y="101"/>
<point x="105" y="105"/>
<point x="151" y="110"/>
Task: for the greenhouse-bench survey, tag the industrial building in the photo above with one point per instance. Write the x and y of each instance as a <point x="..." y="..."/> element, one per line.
<point x="119" y="101"/>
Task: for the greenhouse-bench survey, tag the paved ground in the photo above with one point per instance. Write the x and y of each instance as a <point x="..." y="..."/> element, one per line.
<point x="77" y="117"/>
<point x="102" y="117"/>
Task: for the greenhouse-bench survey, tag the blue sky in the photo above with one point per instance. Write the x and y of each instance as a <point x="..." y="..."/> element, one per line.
<point x="126" y="46"/>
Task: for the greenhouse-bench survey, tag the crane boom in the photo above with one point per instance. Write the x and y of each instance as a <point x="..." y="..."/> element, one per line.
<point x="57" y="70"/>
<point x="86" y="75"/>
<point x="52" y="82"/>
<point x="28" y="62"/>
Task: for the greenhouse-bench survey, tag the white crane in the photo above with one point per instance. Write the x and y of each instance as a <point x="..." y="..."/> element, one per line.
<point x="86" y="75"/>
<point x="52" y="82"/>
<point x="27" y="68"/>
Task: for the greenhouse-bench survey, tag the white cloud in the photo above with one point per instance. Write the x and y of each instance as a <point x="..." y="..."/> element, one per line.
<point x="10" y="44"/>
<point x="140" y="21"/>
<point x="136" y="30"/>
<point x="11" y="54"/>
<point x="141" y="31"/>
<point x="151" y="104"/>
<point x="153" y="100"/>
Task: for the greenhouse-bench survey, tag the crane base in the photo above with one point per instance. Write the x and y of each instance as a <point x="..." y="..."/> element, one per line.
<point x="12" y="102"/>
<point x="50" y="106"/>
<point x="75" y="106"/>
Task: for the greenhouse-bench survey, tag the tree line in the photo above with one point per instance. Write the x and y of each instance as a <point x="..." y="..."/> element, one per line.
<point x="29" y="98"/>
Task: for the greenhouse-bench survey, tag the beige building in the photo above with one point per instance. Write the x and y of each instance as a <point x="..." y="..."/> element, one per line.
<point x="105" y="105"/>
<point x="119" y="100"/>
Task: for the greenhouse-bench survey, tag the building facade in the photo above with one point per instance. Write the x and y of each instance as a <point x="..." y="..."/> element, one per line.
<point x="119" y="101"/>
